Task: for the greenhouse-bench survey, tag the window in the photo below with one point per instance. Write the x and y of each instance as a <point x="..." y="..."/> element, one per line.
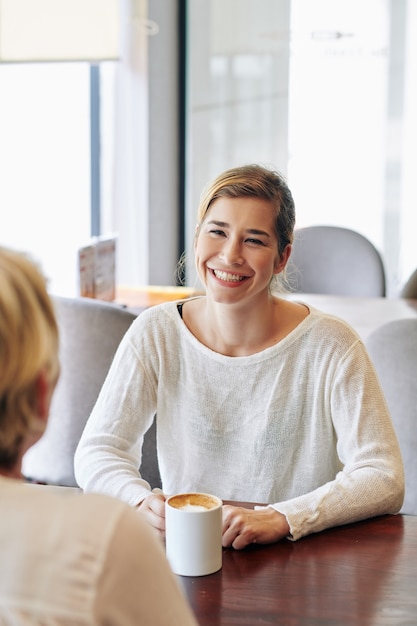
<point x="45" y="164"/>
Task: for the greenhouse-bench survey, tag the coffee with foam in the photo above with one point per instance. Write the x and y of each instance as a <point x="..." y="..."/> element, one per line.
<point x="193" y="502"/>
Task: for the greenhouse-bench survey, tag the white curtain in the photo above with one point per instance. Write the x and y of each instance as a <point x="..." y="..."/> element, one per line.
<point x="125" y="156"/>
<point x="408" y="249"/>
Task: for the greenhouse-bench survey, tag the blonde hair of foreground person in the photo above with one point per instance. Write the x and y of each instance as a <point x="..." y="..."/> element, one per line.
<point x="28" y="353"/>
<point x="66" y="558"/>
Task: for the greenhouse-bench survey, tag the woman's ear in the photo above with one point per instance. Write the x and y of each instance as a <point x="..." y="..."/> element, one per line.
<point x="44" y="389"/>
<point x="196" y="233"/>
<point x="282" y="261"/>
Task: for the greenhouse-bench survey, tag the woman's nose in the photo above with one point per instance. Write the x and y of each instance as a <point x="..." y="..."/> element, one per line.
<point x="231" y="252"/>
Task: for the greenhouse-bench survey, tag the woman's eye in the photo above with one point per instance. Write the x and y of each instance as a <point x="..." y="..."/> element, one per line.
<point x="216" y="232"/>
<point x="257" y="242"/>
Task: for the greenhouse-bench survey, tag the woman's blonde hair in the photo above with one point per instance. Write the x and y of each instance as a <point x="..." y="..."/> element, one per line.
<point x="258" y="182"/>
<point x="28" y="345"/>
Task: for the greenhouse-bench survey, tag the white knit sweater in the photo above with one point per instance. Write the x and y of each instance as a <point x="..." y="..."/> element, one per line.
<point x="302" y="425"/>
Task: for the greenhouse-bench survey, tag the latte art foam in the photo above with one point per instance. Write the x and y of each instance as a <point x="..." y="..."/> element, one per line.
<point x="192" y="507"/>
<point x="193" y="502"/>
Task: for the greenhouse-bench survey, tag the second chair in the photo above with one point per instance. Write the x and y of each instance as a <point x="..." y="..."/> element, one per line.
<point x="335" y="260"/>
<point x="393" y="348"/>
<point x="90" y="332"/>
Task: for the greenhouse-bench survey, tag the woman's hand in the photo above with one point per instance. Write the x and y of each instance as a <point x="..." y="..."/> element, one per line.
<point x="242" y="527"/>
<point x="153" y="509"/>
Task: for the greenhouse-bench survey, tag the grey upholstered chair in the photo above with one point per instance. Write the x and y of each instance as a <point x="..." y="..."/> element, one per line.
<point x="90" y="332"/>
<point x="410" y="288"/>
<point x="335" y="260"/>
<point x="393" y="348"/>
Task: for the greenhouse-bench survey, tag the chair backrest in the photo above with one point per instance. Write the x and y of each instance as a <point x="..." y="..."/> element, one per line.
<point x="410" y="288"/>
<point x="335" y="260"/>
<point x="90" y="332"/>
<point x="393" y="349"/>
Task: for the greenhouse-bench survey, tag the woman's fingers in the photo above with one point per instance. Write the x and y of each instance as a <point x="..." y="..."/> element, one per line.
<point x="153" y="509"/>
<point x="241" y="526"/>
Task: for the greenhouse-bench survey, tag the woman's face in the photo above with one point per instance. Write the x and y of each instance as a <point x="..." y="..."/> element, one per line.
<point x="236" y="249"/>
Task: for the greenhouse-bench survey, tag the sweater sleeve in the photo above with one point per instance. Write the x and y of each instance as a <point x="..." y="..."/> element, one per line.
<point x="371" y="481"/>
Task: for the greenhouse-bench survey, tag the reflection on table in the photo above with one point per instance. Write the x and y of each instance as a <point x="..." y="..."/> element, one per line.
<point x="363" y="574"/>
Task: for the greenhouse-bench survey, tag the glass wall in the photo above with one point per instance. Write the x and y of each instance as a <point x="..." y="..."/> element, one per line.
<point x="321" y="89"/>
<point x="237" y="91"/>
<point x="342" y="96"/>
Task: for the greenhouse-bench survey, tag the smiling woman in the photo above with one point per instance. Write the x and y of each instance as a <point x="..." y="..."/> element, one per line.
<point x="259" y="213"/>
<point x="293" y="415"/>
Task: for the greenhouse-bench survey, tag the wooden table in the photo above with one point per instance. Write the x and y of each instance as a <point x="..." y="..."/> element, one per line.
<point x="362" y="574"/>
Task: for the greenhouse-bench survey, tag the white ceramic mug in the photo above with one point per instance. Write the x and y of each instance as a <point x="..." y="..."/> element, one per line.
<point x="193" y="528"/>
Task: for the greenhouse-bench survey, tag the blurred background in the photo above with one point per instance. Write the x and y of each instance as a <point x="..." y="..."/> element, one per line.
<point x="322" y="90"/>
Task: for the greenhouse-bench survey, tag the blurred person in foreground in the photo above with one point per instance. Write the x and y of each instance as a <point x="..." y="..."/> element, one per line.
<point x="66" y="558"/>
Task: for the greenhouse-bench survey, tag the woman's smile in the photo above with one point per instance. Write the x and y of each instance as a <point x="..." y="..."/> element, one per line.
<point x="227" y="277"/>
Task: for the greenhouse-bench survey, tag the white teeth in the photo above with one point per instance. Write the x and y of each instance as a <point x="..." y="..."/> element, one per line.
<point x="231" y="278"/>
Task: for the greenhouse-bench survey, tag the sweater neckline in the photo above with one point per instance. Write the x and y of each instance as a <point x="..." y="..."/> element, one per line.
<point x="262" y="355"/>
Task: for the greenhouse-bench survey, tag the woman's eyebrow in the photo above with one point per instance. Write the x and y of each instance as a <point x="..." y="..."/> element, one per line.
<point x="252" y="231"/>
<point x="218" y="223"/>
<point x="255" y="231"/>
